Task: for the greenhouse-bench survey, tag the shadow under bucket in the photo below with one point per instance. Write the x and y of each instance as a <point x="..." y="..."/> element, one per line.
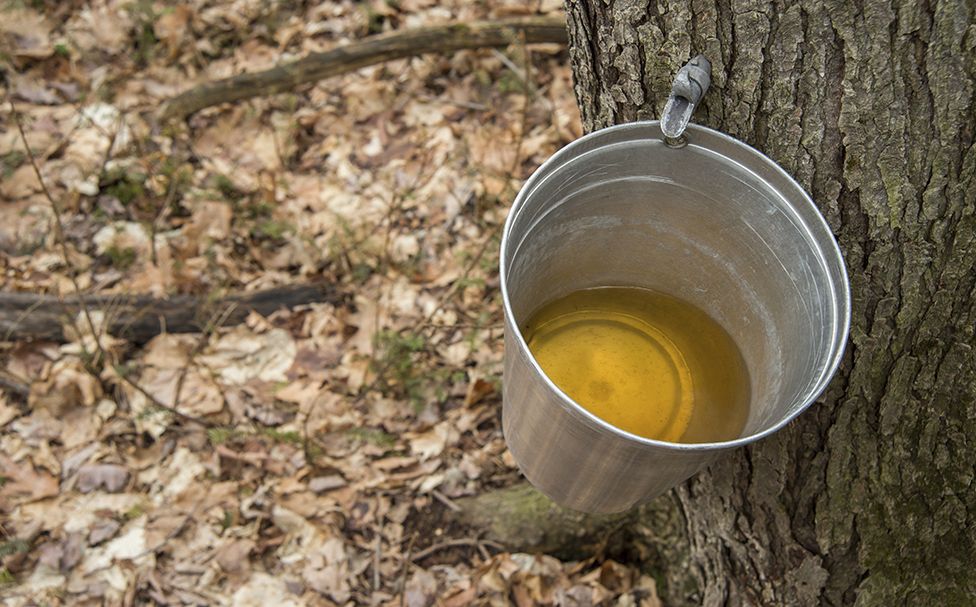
<point x="714" y="223"/>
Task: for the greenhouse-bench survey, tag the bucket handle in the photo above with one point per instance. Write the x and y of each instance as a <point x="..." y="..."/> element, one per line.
<point x="690" y="84"/>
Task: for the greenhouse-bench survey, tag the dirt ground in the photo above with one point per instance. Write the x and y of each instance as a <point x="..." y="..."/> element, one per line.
<point x="293" y="458"/>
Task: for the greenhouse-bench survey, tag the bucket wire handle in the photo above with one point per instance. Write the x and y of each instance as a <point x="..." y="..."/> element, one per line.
<point x="690" y="84"/>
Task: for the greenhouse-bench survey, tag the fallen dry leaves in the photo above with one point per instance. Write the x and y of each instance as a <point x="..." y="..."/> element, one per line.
<point x="281" y="461"/>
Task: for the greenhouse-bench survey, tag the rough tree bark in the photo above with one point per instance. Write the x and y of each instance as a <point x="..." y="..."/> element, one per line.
<point x="868" y="498"/>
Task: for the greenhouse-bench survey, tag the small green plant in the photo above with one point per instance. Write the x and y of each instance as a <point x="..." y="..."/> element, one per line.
<point x="13" y="547"/>
<point x="121" y="258"/>
<point x="6" y="578"/>
<point x="179" y="175"/>
<point x="144" y="15"/>
<point x="10" y="162"/>
<point x="509" y="82"/>
<point x="361" y="272"/>
<point x="289" y="436"/>
<point x="373" y="435"/>
<point x="127" y="186"/>
<point x="226" y="187"/>
<point x="272" y="229"/>
<point x="134" y="512"/>
<point x="219" y="435"/>
<point x="397" y="364"/>
<point x="222" y="435"/>
<point x="374" y="21"/>
<point x="62" y="50"/>
<point x="227" y="521"/>
<point x="258" y="210"/>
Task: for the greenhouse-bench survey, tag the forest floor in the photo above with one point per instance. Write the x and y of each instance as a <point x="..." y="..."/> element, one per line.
<point x="285" y="460"/>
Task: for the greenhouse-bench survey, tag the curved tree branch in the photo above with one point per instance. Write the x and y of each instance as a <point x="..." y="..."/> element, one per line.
<point x="375" y="49"/>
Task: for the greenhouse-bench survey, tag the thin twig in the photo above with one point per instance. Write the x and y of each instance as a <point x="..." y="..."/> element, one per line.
<point x="20" y="318"/>
<point x="485" y="555"/>
<point x="468" y="105"/>
<point x="159" y="404"/>
<point x="395" y="204"/>
<point x="161" y="211"/>
<point x="59" y="234"/>
<point x="425" y="324"/>
<point x="215" y="321"/>
<point x="404" y="569"/>
<point x="445" y="500"/>
<point x="454" y="544"/>
<point x="519" y="72"/>
<point x="377" y="557"/>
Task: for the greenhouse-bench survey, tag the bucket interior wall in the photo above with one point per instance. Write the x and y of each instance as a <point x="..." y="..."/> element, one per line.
<point x="693" y="224"/>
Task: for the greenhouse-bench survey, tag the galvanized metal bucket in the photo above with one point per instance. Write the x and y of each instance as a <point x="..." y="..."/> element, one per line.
<point x="707" y="219"/>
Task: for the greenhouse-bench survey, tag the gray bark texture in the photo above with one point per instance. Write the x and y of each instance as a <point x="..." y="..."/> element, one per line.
<point x="868" y="498"/>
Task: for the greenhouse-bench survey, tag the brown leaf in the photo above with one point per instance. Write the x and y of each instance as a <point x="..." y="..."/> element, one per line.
<point x="101" y="28"/>
<point x="111" y="477"/>
<point x="522" y="597"/>
<point x="327" y="570"/>
<point x="210" y="222"/>
<point x="199" y="394"/>
<point x="49" y="555"/>
<point x="649" y="587"/>
<point x="22" y="183"/>
<point x="25" y="33"/>
<point x="394" y="462"/>
<point x="73" y="548"/>
<point x="577" y="596"/>
<point x="171" y="27"/>
<point x="616" y="577"/>
<point x="262" y="590"/>
<point x="478" y="390"/>
<point x="31" y="90"/>
<point x="433" y="442"/>
<point x="80" y="426"/>
<point x="30" y="359"/>
<point x="122" y="236"/>
<point x="103" y="530"/>
<point x="421" y="589"/>
<point x="241" y="355"/>
<point x="321" y="484"/>
<point x="7" y="411"/>
<point x="465" y="597"/>
<point x="233" y="556"/>
<point x="168" y="350"/>
<point x="23" y="483"/>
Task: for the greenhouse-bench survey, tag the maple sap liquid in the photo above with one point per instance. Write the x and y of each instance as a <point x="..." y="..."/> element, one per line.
<point x="645" y="362"/>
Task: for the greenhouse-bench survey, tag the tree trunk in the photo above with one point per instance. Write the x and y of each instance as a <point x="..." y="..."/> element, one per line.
<point x="868" y="497"/>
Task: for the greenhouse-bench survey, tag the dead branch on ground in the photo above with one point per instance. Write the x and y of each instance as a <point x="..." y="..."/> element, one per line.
<point x="369" y="51"/>
<point x="139" y="318"/>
